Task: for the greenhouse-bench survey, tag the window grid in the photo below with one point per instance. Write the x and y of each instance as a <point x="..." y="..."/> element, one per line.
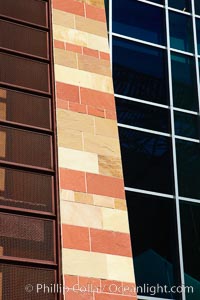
<point x="172" y="109"/>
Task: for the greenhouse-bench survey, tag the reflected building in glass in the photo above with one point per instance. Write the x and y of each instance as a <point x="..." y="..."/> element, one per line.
<point x="155" y="52"/>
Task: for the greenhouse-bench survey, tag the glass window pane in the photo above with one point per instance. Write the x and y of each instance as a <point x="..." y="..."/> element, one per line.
<point x="188" y="163"/>
<point x="25" y="147"/>
<point x="146" y="80"/>
<point x="33" y="11"/>
<point x="198" y="34"/>
<point x="26" y="190"/>
<point x="27" y="237"/>
<point x="152" y="222"/>
<point x="186" y="125"/>
<point x="147" y="161"/>
<point x="184" y="5"/>
<point x="184" y="82"/>
<point x="190" y="225"/>
<point x="25" y="108"/>
<point x="197" y="7"/>
<point x="23" y="72"/>
<point x="23" y="39"/>
<point x="181" y="33"/>
<point x="139" y="20"/>
<point x="142" y="115"/>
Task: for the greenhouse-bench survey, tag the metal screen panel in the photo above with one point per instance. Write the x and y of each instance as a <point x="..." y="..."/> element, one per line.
<point x="23" y="39"/>
<point x="26" y="237"/>
<point x="26" y="190"/>
<point x="16" y="282"/>
<point x="25" y="147"/>
<point x="25" y="108"/>
<point x="33" y="11"/>
<point x="23" y="72"/>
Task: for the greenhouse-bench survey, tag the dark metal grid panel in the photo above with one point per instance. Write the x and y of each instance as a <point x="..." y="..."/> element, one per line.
<point x="21" y="9"/>
<point x="25" y="108"/>
<point x="27" y="237"/>
<point x="25" y="73"/>
<point x="25" y="147"/>
<point x="23" y="39"/>
<point x="26" y="190"/>
<point x="16" y="282"/>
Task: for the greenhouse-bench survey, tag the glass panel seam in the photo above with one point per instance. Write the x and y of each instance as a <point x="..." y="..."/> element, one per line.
<point x="174" y="151"/>
<point x="196" y="51"/>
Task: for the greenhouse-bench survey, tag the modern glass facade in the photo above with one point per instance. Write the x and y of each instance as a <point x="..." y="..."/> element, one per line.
<point x="155" y="53"/>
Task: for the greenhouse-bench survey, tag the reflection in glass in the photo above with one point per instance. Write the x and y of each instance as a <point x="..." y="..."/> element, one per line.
<point x="181" y="34"/>
<point x="188" y="163"/>
<point x="186" y="125"/>
<point x="139" y="20"/>
<point x="198" y="34"/>
<point x="184" y="82"/>
<point x="146" y="80"/>
<point x="197" y="7"/>
<point x="154" y="241"/>
<point x="184" y="5"/>
<point x="190" y="226"/>
<point x="142" y="115"/>
<point x="146" y="160"/>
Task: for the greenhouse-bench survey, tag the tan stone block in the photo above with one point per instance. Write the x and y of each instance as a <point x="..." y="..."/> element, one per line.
<point x="101" y="145"/>
<point x="76" y="121"/>
<point x="91" y="26"/>
<point x="3" y="93"/>
<point x="83" y="198"/>
<point x="110" y="166"/>
<point x="67" y="195"/>
<point x="69" y="35"/>
<point x="103" y="201"/>
<point x="98" y="43"/>
<point x="94" y="65"/>
<point x="81" y="214"/>
<point x="84" y="263"/>
<point x="63" y="18"/>
<point x="115" y="220"/>
<point x="83" y="79"/>
<point x="78" y="160"/>
<point x="69" y="138"/>
<point x="106" y="127"/>
<point x="2" y="179"/>
<point x="98" y="3"/>
<point x="3" y="111"/>
<point x="65" y="58"/>
<point x="2" y="144"/>
<point x="120" y="268"/>
<point x="120" y="204"/>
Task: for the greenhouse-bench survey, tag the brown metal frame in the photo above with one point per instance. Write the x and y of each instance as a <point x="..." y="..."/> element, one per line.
<point x="55" y="215"/>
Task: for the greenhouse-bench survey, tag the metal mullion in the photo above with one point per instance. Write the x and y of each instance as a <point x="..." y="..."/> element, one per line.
<point x="141" y="101"/>
<point x="132" y="39"/>
<point x="146" y="192"/>
<point x="151" y="3"/>
<point x="196" y="51"/>
<point x="174" y="151"/>
<point x="190" y="200"/>
<point x="110" y="35"/>
<point x="143" y="129"/>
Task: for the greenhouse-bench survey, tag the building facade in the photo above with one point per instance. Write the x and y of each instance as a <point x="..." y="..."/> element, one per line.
<point x="72" y="223"/>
